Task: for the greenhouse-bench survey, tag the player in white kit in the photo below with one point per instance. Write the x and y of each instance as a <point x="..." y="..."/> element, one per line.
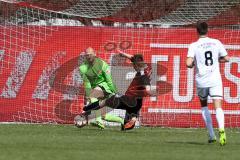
<point x="205" y="54"/>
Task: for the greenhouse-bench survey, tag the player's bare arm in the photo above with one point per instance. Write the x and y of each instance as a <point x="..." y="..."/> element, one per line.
<point x="123" y="54"/>
<point x="190" y="62"/>
<point x="224" y="59"/>
<point x="151" y="90"/>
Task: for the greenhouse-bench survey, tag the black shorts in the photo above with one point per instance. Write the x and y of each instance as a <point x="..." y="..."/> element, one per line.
<point x="132" y="105"/>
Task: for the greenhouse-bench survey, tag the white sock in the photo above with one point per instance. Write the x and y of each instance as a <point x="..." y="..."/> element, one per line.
<point x="220" y="118"/>
<point x="208" y="121"/>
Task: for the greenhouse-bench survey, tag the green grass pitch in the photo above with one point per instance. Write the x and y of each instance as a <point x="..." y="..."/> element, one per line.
<point x="66" y="142"/>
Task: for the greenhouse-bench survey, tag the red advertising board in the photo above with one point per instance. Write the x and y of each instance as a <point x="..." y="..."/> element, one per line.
<point x="39" y="75"/>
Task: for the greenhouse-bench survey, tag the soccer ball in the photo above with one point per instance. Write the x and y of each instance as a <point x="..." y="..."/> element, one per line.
<point x="80" y="121"/>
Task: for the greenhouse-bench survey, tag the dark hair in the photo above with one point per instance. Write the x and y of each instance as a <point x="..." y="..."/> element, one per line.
<point x="202" y="28"/>
<point x="137" y="58"/>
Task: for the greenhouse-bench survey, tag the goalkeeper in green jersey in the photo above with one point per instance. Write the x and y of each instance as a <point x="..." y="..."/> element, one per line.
<point x="98" y="84"/>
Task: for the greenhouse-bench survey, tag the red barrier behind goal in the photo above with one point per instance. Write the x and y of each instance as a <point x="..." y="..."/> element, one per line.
<point x="26" y="93"/>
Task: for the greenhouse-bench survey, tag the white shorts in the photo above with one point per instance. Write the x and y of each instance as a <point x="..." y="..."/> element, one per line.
<point x="215" y="92"/>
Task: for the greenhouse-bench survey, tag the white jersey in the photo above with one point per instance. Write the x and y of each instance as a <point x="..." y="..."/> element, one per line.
<point x="206" y="53"/>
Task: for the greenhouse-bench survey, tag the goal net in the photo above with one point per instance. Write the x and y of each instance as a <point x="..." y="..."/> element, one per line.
<point x="41" y="45"/>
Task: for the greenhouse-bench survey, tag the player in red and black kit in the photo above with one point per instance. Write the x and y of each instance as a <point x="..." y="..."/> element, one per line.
<point x="132" y="100"/>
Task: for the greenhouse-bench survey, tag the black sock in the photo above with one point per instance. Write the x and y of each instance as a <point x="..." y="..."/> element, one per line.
<point x="92" y="106"/>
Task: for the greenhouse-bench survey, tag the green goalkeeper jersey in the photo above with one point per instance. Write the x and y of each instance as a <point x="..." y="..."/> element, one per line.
<point x="97" y="74"/>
